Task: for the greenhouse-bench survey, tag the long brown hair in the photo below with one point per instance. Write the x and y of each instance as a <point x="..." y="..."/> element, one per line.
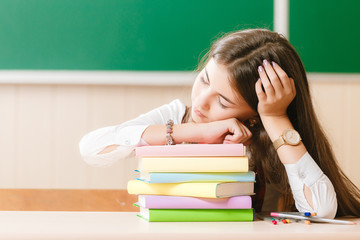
<point x="242" y="52"/>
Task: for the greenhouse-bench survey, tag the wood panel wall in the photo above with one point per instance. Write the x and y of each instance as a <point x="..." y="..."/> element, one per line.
<point x="41" y="126"/>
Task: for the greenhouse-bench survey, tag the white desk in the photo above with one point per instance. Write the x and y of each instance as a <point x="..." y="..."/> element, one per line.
<point x="125" y="225"/>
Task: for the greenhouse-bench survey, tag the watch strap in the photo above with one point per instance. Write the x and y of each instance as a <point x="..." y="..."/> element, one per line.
<point x="278" y="142"/>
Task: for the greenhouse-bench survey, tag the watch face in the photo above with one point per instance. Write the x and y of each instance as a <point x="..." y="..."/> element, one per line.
<point x="291" y="137"/>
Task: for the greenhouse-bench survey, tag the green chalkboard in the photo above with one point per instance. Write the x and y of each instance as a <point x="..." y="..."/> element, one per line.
<point x="326" y="34"/>
<point x="119" y="34"/>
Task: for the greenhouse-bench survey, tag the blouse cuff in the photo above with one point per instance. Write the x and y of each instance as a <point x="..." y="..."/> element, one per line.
<point x="131" y="135"/>
<point x="305" y="171"/>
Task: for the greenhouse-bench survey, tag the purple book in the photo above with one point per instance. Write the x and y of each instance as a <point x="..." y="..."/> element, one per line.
<point x="180" y="202"/>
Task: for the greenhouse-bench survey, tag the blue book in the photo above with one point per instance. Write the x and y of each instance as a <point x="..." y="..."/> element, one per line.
<point x="161" y="177"/>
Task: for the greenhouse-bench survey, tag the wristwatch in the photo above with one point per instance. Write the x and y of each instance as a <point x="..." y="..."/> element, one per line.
<point x="288" y="137"/>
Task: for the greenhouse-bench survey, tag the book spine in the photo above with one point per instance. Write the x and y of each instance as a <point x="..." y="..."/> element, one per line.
<point x="194" y="164"/>
<point x="206" y="190"/>
<point x="194" y="189"/>
<point x="200" y="215"/>
<point x="200" y="177"/>
<point x="174" y="202"/>
<point x="192" y="150"/>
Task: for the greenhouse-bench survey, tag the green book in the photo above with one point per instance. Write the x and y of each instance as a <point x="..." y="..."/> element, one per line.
<point x="196" y="215"/>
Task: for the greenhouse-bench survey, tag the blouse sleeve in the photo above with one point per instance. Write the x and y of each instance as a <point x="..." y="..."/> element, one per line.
<point x="127" y="135"/>
<point x="307" y="172"/>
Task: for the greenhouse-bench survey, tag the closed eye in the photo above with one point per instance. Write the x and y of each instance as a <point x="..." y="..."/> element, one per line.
<point x="221" y="104"/>
<point x="204" y="81"/>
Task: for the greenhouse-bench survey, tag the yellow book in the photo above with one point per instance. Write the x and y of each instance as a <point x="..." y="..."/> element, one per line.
<point x="192" y="189"/>
<point x="194" y="164"/>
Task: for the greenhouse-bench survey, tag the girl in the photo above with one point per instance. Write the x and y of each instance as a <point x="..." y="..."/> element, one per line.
<point x="252" y="89"/>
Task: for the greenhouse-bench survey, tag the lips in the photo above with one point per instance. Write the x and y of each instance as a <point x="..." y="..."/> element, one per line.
<point x="198" y="113"/>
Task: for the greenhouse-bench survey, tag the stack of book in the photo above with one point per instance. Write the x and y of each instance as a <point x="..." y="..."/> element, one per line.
<point x="193" y="182"/>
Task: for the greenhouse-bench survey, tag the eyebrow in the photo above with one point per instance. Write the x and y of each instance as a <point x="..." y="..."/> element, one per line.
<point x="207" y="76"/>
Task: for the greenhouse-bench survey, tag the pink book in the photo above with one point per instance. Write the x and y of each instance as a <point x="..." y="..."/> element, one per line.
<point x="182" y="150"/>
<point x="181" y="202"/>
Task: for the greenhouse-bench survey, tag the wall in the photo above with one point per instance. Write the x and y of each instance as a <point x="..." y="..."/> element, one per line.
<point x="41" y="126"/>
<point x="44" y="114"/>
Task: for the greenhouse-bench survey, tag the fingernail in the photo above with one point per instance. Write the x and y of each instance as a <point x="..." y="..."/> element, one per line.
<point x="261" y="69"/>
<point x="265" y="62"/>
<point x="259" y="80"/>
<point x="273" y="63"/>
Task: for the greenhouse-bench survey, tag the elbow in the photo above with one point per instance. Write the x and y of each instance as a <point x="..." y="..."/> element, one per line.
<point x="89" y="154"/>
<point x="85" y="149"/>
<point x="98" y="160"/>
<point x="323" y="200"/>
<point x="328" y="209"/>
<point x="93" y="157"/>
<point x="326" y="202"/>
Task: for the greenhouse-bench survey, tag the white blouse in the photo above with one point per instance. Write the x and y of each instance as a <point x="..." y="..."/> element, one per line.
<point x="128" y="136"/>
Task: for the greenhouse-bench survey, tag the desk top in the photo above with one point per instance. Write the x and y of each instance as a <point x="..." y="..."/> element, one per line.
<point x="125" y="225"/>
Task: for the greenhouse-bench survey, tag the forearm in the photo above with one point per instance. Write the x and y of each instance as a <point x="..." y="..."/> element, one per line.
<point x="156" y="135"/>
<point x="187" y="132"/>
<point x="288" y="154"/>
<point x="305" y="176"/>
<point x="274" y="127"/>
<point x="275" y="91"/>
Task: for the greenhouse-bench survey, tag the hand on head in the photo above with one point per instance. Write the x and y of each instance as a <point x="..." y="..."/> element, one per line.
<point x="275" y="90"/>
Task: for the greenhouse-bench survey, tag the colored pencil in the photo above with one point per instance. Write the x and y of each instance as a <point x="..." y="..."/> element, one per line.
<point x="312" y="219"/>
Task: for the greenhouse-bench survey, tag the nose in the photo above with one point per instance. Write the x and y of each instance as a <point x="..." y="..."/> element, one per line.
<point x="204" y="100"/>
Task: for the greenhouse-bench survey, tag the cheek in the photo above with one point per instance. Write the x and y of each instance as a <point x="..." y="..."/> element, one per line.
<point x="245" y="114"/>
<point x="216" y="113"/>
<point x="193" y="93"/>
<point x="221" y="114"/>
<point x="196" y="89"/>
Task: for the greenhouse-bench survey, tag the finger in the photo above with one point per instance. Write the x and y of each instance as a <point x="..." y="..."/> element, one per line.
<point x="231" y="138"/>
<point x="269" y="90"/>
<point x="226" y="142"/>
<point x="259" y="91"/>
<point x="248" y="134"/>
<point x="273" y="76"/>
<point x="241" y="134"/>
<point x="293" y="88"/>
<point x="244" y="134"/>
<point x="248" y="141"/>
<point x="284" y="79"/>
